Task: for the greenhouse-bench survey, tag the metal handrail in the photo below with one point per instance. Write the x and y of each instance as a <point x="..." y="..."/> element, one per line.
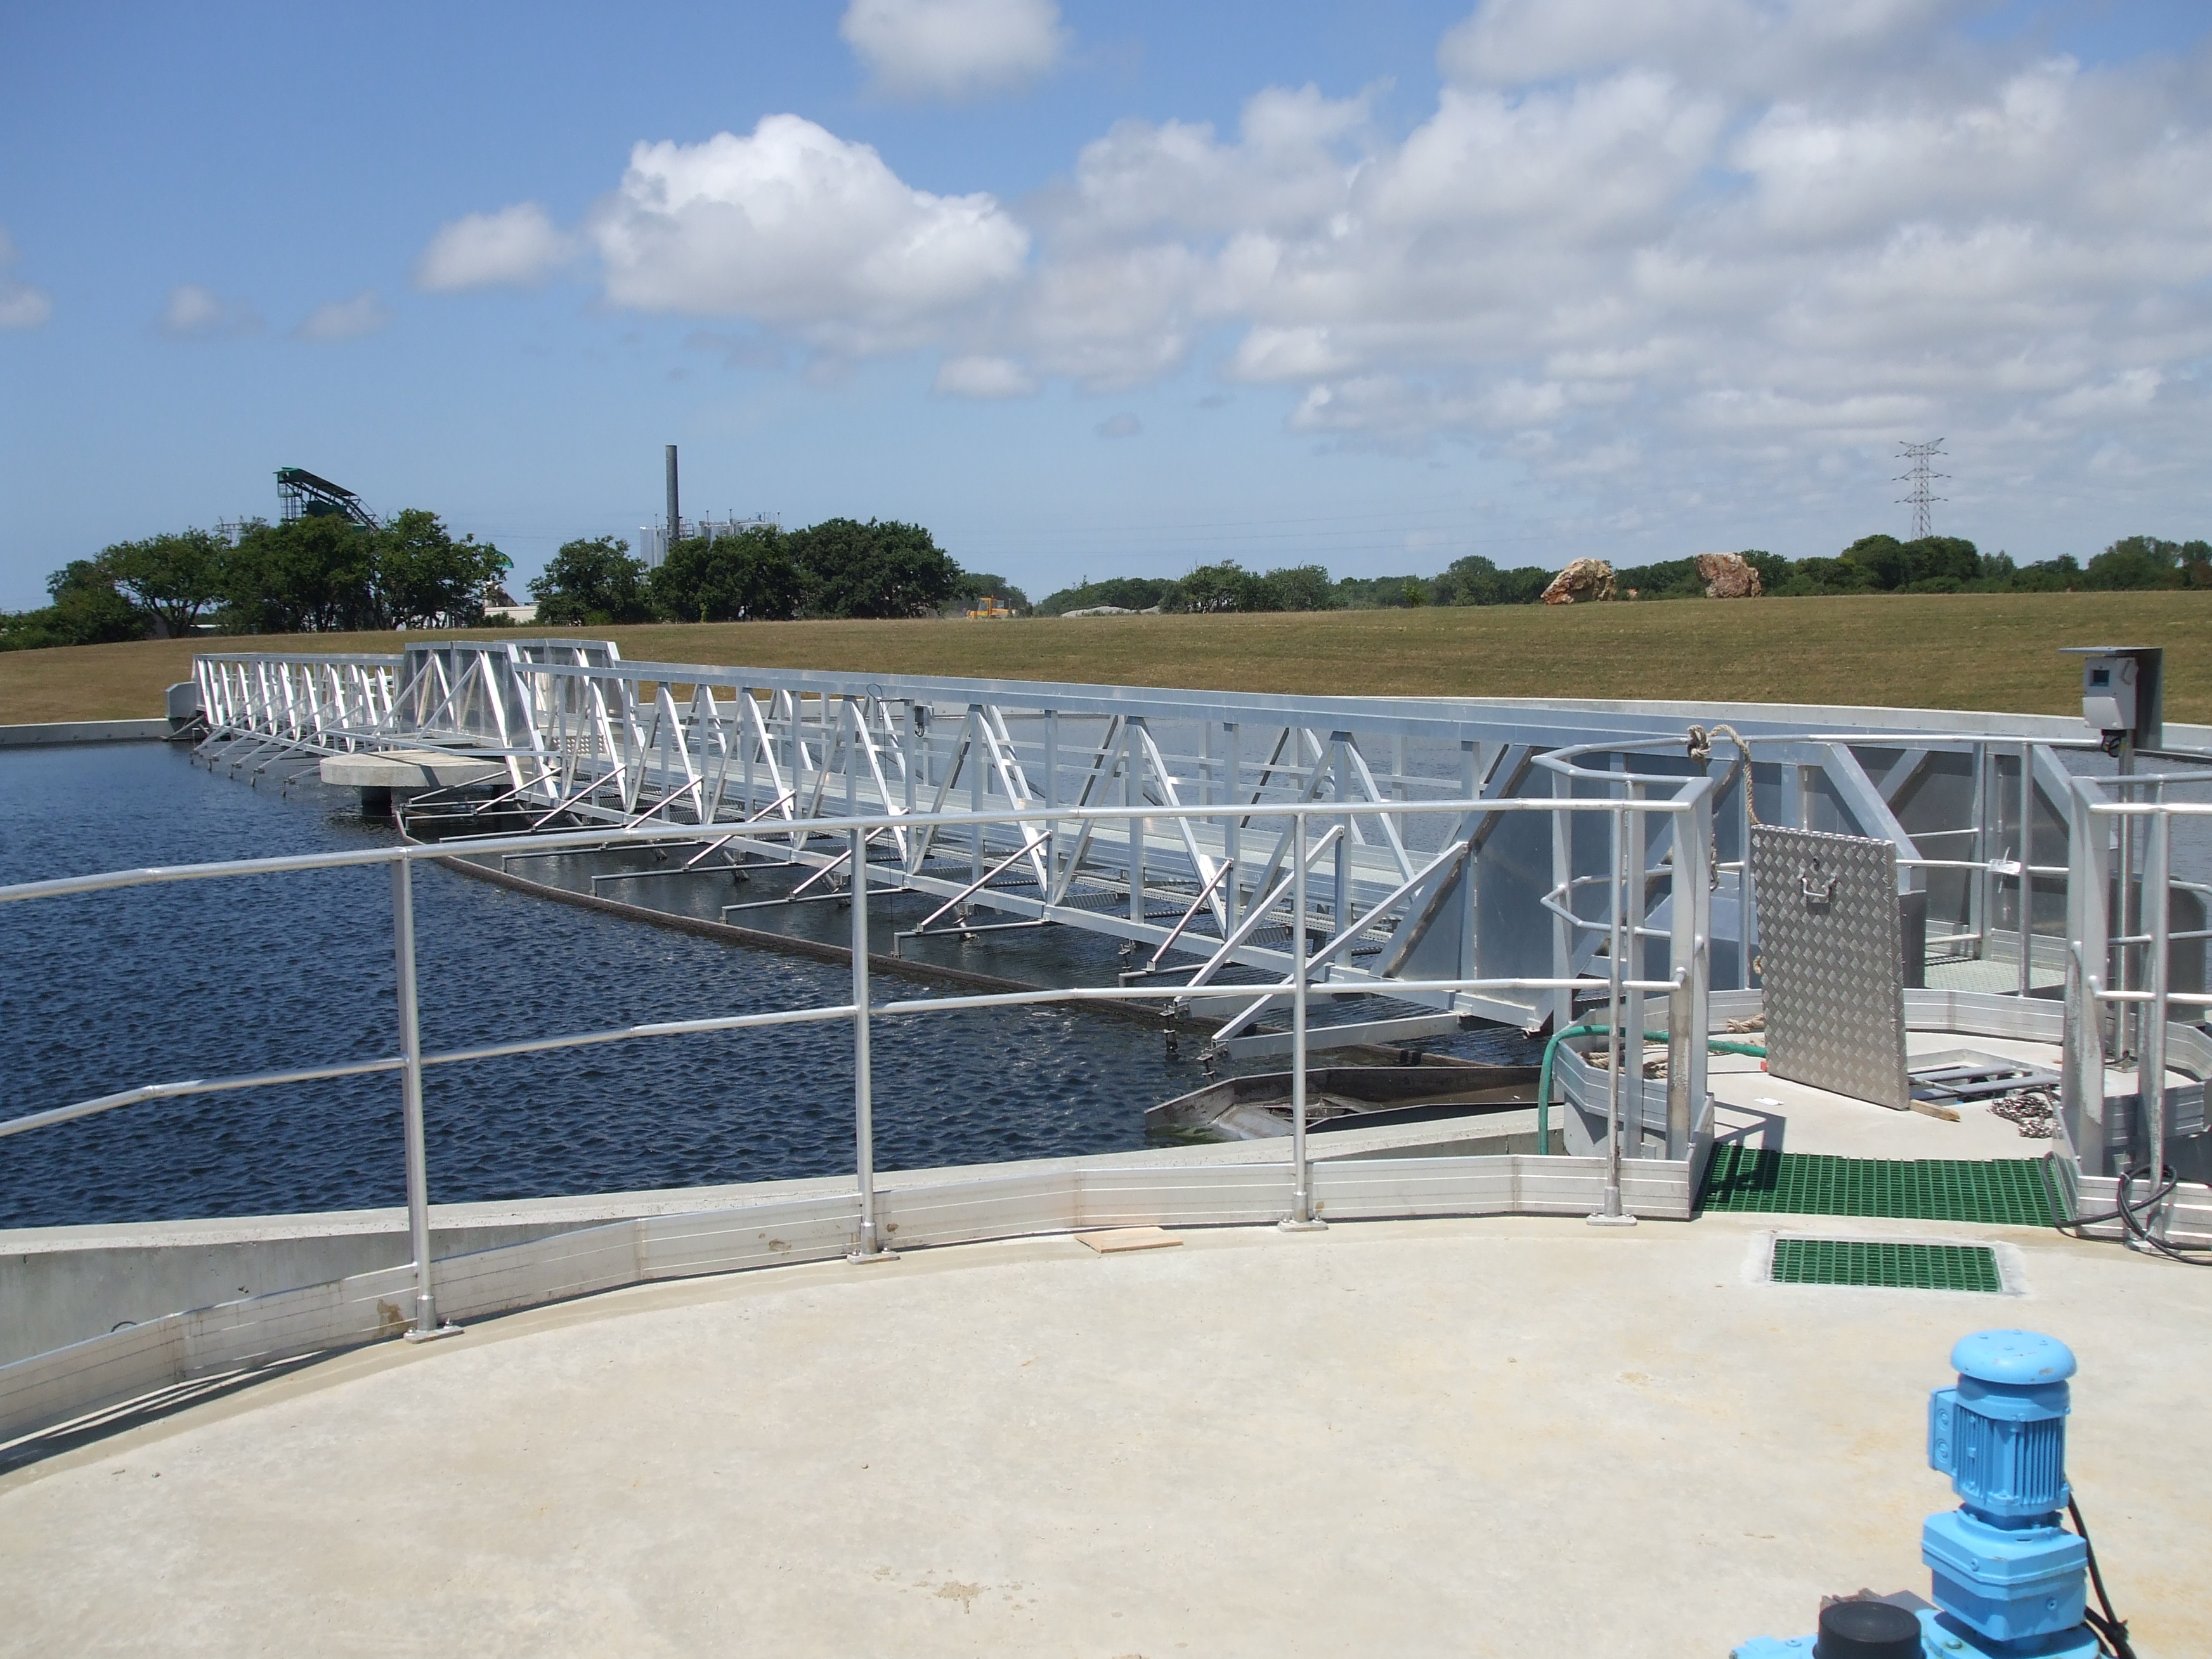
<point x="858" y="828"/>
<point x="2126" y="968"/>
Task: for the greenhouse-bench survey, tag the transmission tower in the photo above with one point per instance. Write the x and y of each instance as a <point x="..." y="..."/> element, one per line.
<point x="1923" y="479"/>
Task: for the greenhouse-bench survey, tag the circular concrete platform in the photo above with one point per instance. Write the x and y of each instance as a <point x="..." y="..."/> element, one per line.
<point x="1509" y="1438"/>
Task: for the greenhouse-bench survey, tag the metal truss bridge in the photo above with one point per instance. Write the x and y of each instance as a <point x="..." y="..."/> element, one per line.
<point x="1024" y="804"/>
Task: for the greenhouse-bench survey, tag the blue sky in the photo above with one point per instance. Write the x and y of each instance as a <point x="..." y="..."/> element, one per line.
<point x="1098" y="290"/>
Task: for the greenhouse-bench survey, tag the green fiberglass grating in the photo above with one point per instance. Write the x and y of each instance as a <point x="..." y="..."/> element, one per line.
<point x="2006" y="1192"/>
<point x="1893" y="1266"/>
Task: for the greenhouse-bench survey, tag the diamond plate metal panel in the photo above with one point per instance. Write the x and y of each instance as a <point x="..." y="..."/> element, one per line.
<point x="1832" y="940"/>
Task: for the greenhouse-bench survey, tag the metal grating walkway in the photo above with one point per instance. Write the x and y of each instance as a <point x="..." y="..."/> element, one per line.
<point x="1893" y="1266"/>
<point x="2006" y="1192"/>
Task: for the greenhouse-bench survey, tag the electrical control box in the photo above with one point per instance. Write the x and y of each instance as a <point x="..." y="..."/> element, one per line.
<point x="2108" y="693"/>
<point x="2121" y="697"/>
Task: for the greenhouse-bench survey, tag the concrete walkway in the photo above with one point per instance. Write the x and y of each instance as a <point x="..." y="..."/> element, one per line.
<point x="1504" y="1437"/>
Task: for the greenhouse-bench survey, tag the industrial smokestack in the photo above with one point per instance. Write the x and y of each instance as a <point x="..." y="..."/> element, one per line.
<point x="674" y="521"/>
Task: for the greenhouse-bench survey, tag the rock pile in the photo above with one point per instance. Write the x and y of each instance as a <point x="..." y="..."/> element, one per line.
<point x="1728" y="577"/>
<point x="1585" y="579"/>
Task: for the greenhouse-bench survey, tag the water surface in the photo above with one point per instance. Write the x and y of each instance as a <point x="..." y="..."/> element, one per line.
<point x="102" y="992"/>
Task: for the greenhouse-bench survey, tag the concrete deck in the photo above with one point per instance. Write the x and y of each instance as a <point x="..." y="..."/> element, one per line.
<point x="1504" y="1437"/>
<point x="408" y="768"/>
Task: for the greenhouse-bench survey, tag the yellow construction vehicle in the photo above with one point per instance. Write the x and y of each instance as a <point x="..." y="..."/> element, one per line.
<point x="988" y="607"/>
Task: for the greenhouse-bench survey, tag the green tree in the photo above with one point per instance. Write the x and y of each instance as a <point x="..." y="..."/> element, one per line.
<point x="2060" y="575"/>
<point x="1475" y="581"/>
<point x="1883" y="564"/>
<point x="1874" y="562"/>
<point x="1774" y="570"/>
<point x="1227" y="586"/>
<point x="29" y="630"/>
<point x="1382" y="593"/>
<point x="424" y="578"/>
<point x="747" y="577"/>
<point x="88" y="609"/>
<point x="2137" y="562"/>
<point x="1667" y="579"/>
<point x="172" y="577"/>
<point x="1295" y="587"/>
<point x="591" y="584"/>
<point x="315" y="574"/>
<point x="879" y="568"/>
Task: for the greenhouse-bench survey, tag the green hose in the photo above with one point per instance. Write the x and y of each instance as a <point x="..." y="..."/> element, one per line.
<point x="1717" y="1045"/>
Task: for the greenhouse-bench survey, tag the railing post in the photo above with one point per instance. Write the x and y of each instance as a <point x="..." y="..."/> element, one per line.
<point x="1232" y="794"/>
<point x="1690" y="901"/>
<point x="2126" y="1022"/>
<point x="1563" y="878"/>
<point x="1633" y="866"/>
<point x="1609" y="1213"/>
<point x="2026" y="868"/>
<point x="2150" y="1038"/>
<point x="410" y="1084"/>
<point x="1133" y="794"/>
<point x="1301" y="1218"/>
<point x="864" y="1104"/>
<point x="1052" y="799"/>
<point x="2082" y="1094"/>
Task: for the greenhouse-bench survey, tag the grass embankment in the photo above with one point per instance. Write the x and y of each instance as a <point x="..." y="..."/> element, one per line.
<point x="1968" y="651"/>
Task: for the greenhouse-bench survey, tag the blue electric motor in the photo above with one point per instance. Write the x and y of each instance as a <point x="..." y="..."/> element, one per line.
<point x="2010" y="1582"/>
<point x="2009" y="1578"/>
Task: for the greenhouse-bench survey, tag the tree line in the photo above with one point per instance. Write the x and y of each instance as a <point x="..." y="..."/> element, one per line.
<point x="324" y="573"/>
<point x="840" y="568"/>
<point x="318" y="573"/>
<point x="1872" y="564"/>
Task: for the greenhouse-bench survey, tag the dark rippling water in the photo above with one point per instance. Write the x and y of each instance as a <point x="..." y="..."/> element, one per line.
<point x="102" y="992"/>
<point x="105" y="990"/>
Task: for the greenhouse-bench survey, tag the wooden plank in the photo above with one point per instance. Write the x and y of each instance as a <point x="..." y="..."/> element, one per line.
<point x="1115" y="1240"/>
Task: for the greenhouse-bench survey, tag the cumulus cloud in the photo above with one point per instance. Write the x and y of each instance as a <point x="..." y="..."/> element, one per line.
<point x="193" y="312"/>
<point x="794" y="226"/>
<point x="22" y="305"/>
<point x="984" y="377"/>
<point x="517" y="246"/>
<point x="1756" y="241"/>
<point x="1288" y="354"/>
<point x="1614" y="248"/>
<point x="345" y="319"/>
<point x="1762" y="47"/>
<point x="953" y="49"/>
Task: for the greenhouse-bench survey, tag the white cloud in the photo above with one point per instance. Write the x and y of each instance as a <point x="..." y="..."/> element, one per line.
<point x="794" y="226"/>
<point x="22" y="305"/>
<point x="1288" y="354"/>
<point x="1661" y="257"/>
<point x="193" y="312"/>
<point x="953" y="49"/>
<point x="1613" y="256"/>
<point x="346" y="320"/>
<point x="983" y="377"/>
<point x="516" y="247"/>
<point x="1124" y="425"/>
<point x="1761" y="45"/>
<point x="2124" y="394"/>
